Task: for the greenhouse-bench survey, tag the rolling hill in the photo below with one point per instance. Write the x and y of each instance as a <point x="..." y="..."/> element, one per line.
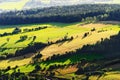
<point x="54" y="32"/>
<point x="78" y="42"/>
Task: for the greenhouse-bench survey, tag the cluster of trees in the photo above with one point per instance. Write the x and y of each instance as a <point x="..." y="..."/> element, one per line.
<point x="36" y="74"/>
<point x="14" y="76"/>
<point x="66" y="38"/>
<point x="108" y="47"/>
<point x="64" y="14"/>
<point x="30" y="49"/>
<point x="22" y="38"/>
<point x="34" y="29"/>
<point x="37" y="58"/>
<point x="88" y="33"/>
<point x="15" y="31"/>
<point x="18" y="75"/>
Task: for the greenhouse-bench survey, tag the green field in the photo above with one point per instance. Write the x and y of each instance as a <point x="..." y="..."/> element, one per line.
<point x="53" y="32"/>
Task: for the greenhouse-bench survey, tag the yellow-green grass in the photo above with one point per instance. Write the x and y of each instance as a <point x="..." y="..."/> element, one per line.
<point x="28" y="68"/>
<point x="25" y="69"/>
<point x="115" y="75"/>
<point x="47" y="64"/>
<point x="79" y="42"/>
<point x="42" y="36"/>
<point x="107" y="76"/>
<point x="17" y="61"/>
<point x="53" y="33"/>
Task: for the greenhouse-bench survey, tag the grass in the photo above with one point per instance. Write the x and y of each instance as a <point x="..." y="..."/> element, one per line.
<point x="63" y="61"/>
<point x="108" y="76"/>
<point x="13" y="63"/>
<point x="42" y="36"/>
<point x="54" y="32"/>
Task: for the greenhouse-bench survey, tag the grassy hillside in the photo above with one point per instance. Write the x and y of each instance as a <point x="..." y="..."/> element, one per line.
<point x="54" y="32"/>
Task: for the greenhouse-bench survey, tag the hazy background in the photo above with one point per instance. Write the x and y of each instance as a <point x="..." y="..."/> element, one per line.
<point x="26" y="4"/>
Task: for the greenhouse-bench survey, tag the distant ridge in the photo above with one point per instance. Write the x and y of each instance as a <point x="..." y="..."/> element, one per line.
<point x="41" y="3"/>
<point x="28" y="4"/>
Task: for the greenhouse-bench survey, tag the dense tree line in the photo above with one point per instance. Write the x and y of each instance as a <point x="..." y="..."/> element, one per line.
<point x="64" y="39"/>
<point x="34" y="75"/>
<point x="17" y="30"/>
<point x="33" y="48"/>
<point x="108" y="48"/>
<point x="61" y="14"/>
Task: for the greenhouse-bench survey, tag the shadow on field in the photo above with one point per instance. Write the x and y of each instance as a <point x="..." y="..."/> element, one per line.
<point x="61" y="24"/>
<point x="19" y="41"/>
<point x="60" y="44"/>
<point x="21" y="57"/>
<point x="1" y="47"/>
<point x="3" y="44"/>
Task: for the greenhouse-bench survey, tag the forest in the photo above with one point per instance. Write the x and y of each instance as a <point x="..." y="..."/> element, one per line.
<point x="65" y="14"/>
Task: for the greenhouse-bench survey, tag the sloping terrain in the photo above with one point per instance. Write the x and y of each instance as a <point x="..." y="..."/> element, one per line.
<point x="53" y="33"/>
<point x="60" y="39"/>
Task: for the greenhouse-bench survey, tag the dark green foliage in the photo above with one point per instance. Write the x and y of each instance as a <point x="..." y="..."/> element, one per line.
<point x="86" y="34"/>
<point x="30" y="49"/>
<point x="93" y="29"/>
<point x="62" y="40"/>
<point x="5" y="34"/>
<point x="23" y="77"/>
<point x="107" y="47"/>
<point x="80" y="71"/>
<point x="38" y="55"/>
<point x="37" y="67"/>
<point x="8" y="68"/>
<point x="8" y="39"/>
<point x="22" y="38"/>
<point x="2" y="57"/>
<point x="34" y="29"/>
<point x="66" y="14"/>
<point x="16" y="30"/>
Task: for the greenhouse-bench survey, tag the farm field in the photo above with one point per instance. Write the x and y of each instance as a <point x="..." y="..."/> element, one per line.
<point x="54" y="32"/>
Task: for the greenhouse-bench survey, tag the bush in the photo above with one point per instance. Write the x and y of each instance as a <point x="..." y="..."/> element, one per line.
<point x="38" y="56"/>
<point x="23" y="77"/>
<point x="8" y="68"/>
<point x="37" y="68"/>
<point x="2" y="57"/>
<point x="16" y="30"/>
